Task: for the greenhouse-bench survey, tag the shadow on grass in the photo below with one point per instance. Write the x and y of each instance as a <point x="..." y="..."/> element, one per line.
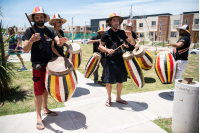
<point x="165" y="95"/>
<point x="17" y="94"/>
<point x="149" y="80"/>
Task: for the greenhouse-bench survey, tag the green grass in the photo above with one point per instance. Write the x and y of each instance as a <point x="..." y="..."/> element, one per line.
<point x="164" y="123"/>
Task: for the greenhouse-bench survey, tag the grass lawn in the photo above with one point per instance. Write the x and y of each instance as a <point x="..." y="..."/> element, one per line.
<point x="164" y="123"/>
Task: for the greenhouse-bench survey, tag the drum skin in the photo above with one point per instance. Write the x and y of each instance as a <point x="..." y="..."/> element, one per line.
<point x="92" y="65"/>
<point x="146" y="61"/>
<point x="61" y="88"/>
<point x="165" y="67"/>
<point x="74" y="58"/>
<point x="134" y="70"/>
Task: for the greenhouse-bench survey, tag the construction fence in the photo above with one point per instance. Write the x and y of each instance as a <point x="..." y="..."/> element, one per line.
<point x="79" y="36"/>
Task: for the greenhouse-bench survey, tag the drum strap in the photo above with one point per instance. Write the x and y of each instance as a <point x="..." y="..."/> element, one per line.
<point x="58" y="33"/>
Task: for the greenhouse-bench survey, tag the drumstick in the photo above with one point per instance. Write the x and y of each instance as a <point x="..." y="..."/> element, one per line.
<point x="117" y="48"/>
<point x="30" y="23"/>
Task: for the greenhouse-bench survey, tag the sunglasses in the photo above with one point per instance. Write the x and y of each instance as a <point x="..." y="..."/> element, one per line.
<point x="10" y="30"/>
<point x="61" y="22"/>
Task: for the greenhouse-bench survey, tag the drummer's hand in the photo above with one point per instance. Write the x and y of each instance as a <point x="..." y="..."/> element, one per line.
<point x="110" y="51"/>
<point x="98" y="40"/>
<point x="63" y="39"/>
<point x="137" y="46"/>
<point x="126" y="46"/>
<point x="35" y="37"/>
<point x="128" y="33"/>
<point x="168" y="44"/>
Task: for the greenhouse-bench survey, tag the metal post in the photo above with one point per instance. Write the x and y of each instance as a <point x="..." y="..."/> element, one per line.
<point x="194" y="45"/>
<point x="152" y="41"/>
<point x="72" y="30"/>
<point x="85" y="29"/>
<point x="168" y="43"/>
<point x="69" y="31"/>
<point x="143" y="42"/>
<point x="163" y="42"/>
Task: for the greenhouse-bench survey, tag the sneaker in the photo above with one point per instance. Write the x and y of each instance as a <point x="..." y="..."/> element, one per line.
<point x="96" y="81"/>
<point x="171" y="94"/>
<point x="23" y="68"/>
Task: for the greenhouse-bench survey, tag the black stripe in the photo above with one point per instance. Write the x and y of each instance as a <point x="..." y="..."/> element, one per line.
<point x="95" y="65"/>
<point x="79" y="59"/>
<point x="150" y="59"/>
<point x="49" y="84"/>
<point x="139" y="70"/>
<point x="75" y="75"/>
<point x="165" y="65"/>
<point x="155" y="69"/>
<point x="87" y="63"/>
<point x="65" y="88"/>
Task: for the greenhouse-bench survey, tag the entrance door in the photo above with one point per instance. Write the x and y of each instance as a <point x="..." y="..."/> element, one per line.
<point x="196" y="37"/>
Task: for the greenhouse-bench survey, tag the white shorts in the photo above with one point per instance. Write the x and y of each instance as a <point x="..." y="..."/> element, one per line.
<point x="180" y="68"/>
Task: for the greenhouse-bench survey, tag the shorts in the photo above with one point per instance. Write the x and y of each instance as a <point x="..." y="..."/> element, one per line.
<point x="115" y="71"/>
<point x="180" y="68"/>
<point x="39" y="85"/>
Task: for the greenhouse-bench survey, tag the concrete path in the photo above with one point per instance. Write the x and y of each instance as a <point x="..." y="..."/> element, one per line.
<point x="86" y="112"/>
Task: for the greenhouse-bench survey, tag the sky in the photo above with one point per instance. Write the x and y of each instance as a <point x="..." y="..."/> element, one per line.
<point x="83" y="11"/>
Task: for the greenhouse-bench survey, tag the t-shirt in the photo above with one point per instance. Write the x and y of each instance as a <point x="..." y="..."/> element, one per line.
<point x="131" y="47"/>
<point x="96" y="46"/>
<point x="59" y="49"/>
<point x="38" y="53"/>
<point x="182" y="52"/>
<point x="13" y="40"/>
<point x="112" y="41"/>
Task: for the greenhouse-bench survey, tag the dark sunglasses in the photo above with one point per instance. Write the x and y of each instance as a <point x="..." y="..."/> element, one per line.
<point x="10" y="30"/>
<point x="60" y="22"/>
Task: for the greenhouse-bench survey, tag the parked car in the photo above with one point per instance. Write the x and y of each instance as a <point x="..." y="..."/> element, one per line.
<point x="194" y="51"/>
<point x="84" y="41"/>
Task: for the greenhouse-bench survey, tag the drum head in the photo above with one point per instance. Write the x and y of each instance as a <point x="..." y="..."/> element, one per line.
<point x="74" y="48"/>
<point x="128" y="55"/>
<point x="97" y="55"/>
<point x="140" y="52"/>
<point x="59" y="66"/>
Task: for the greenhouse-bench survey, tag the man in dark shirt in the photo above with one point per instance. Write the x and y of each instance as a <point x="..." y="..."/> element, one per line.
<point x="40" y="56"/>
<point x="114" y="68"/>
<point x="95" y="40"/>
<point x="57" y="22"/>
<point x="181" y="49"/>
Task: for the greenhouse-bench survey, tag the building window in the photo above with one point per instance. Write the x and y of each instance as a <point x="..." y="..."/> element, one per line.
<point x="186" y="21"/>
<point x="150" y="33"/>
<point x="159" y="33"/>
<point x="73" y="28"/>
<point x="153" y="23"/>
<point x="106" y="25"/>
<point x="173" y="34"/>
<point x="160" y="22"/>
<point x="140" y="24"/>
<point x="176" y="22"/>
<point x="141" y="34"/>
<point x="81" y="28"/>
<point x="160" y="28"/>
<point x="124" y="25"/>
<point x="102" y="25"/>
<point x="63" y="29"/>
<point x="196" y="21"/>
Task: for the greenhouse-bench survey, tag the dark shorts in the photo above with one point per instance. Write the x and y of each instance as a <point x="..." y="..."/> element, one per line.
<point x="39" y="86"/>
<point x="115" y="71"/>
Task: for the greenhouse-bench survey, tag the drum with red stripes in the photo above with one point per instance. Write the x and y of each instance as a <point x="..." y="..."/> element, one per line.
<point x="74" y="54"/>
<point x="133" y="69"/>
<point x="60" y="79"/>
<point x="92" y="64"/>
<point x="144" y="57"/>
<point x="165" y="67"/>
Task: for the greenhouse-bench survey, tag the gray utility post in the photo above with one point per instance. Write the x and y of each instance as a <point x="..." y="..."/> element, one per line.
<point x="85" y="30"/>
<point x="72" y="30"/>
<point x="68" y="31"/>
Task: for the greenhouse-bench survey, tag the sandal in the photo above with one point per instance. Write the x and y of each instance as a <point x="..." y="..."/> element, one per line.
<point x="122" y="102"/>
<point x="109" y="103"/>
<point x="50" y="113"/>
<point x="40" y="124"/>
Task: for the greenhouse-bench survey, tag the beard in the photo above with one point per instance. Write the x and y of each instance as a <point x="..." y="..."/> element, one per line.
<point x="40" y="23"/>
<point x="181" y="34"/>
<point x="115" y="26"/>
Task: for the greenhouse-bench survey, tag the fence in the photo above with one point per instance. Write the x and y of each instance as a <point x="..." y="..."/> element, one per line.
<point x="79" y="36"/>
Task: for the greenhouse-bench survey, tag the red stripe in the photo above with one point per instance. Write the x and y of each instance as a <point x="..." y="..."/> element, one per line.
<point x="159" y="69"/>
<point x="132" y="74"/>
<point x="72" y="81"/>
<point x="171" y="66"/>
<point x="144" y="62"/>
<point x="183" y="50"/>
<point x="57" y="89"/>
<point x="73" y="59"/>
<point x="89" y="65"/>
<point x="54" y="16"/>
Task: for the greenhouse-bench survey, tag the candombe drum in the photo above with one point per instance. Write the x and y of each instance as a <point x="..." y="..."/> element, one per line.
<point x="74" y="54"/>
<point x="165" y="67"/>
<point x="92" y="64"/>
<point x="60" y="79"/>
<point x="144" y="57"/>
<point x="133" y="69"/>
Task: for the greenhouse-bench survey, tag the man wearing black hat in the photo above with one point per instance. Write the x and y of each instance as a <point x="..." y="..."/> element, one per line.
<point x="180" y="52"/>
<point x="114" y="68"/>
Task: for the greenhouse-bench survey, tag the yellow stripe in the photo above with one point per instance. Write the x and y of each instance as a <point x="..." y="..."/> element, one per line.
<point x="92" y="66"/>
<point x="52" y="87"/>
<point x="76" y="61"/>
<point x="141" y="64"/>
<point x="129" y="72"/>
<point x="149" y="54"/>
<point x="168" y="67"/>
<point x="157" y="70"/>
<point x="66" y="53"/>
<point x="69" y="85"/>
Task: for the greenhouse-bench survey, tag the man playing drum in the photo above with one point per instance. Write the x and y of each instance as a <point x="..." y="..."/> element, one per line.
<point x="114" y="68"/>
<point x="40" y="44"/>
<point x="57" y="22"/>
<point x="95" y="40"/>
<point x="180" y="52"/>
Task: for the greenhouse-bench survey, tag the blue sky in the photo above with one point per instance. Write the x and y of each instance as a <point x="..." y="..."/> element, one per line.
<point x="14" y="10"/>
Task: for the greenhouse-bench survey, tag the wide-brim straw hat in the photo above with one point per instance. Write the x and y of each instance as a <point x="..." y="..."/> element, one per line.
<point x="101" y="29"/>
<point x="184" y="27"/>
<point x="37" y="10"/>
<point x="55" y="17"/>
<point x="129" y="24"/>
<point x="112" y="16"/>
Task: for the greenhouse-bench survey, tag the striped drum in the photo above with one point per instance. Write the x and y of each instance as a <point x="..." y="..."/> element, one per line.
<point x="133" y="69"/>
<point x="60" y="79"/>
<point x="92" y="64"/>
<point x="74" y="54"/>
<point x="165" y="67"/>
<point x="144" y="57"/>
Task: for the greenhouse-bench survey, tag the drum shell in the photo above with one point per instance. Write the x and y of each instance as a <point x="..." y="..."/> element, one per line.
<point x="165" y="67"/>
<point x="74" y="58"/>
<point x="92" y="65"/>
<point x="146" y="60"/>
<point x="61" y="88"/>
<point x="134" y="70"/>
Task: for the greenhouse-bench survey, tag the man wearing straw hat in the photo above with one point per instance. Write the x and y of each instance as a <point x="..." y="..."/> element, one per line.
<point x="95" y="40"/>
<point x="114" y="68"/>
<point x="127" y="45"/>
<point x="57" y="22"/>
<point x="180" y="52"/>
<point x="40" y="45"/>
